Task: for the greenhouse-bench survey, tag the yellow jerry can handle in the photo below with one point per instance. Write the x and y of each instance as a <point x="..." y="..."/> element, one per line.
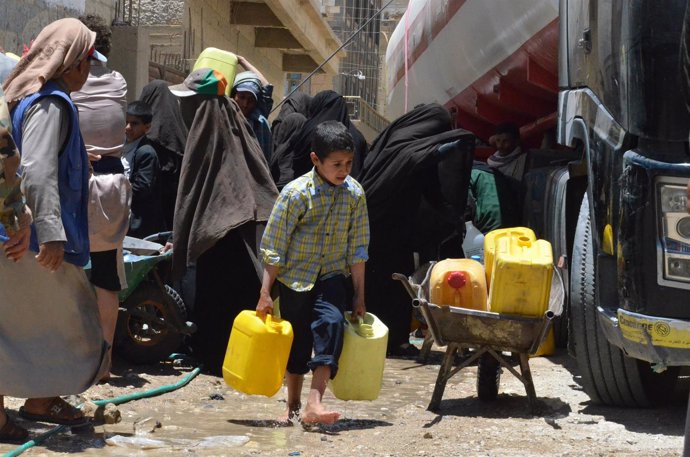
<point x="364" y="330"/>
<point x="270" y="324"/>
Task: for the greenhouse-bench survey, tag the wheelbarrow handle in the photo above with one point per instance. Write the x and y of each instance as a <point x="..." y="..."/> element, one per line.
<point x="544" y="327"/>
<point x="406" y="284"/>
<point x="423" y="304"/>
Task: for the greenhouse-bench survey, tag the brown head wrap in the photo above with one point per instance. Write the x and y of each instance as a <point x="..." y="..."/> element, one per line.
<point x="56" y="49"/>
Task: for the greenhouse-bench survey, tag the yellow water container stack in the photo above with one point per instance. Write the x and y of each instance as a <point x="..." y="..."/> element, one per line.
<point x="360" y="367"/>
<point x="223" y="61"/>
<point x="521" y="276"/>
<point x="491" y="238"/>
<point x="459" y="282"/>
<point x="257" y="354"/>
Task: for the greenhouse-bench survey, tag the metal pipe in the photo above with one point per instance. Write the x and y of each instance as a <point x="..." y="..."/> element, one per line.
<point x="406" y="284"/>
<point x="543" y="329"/>
<point x="431" y="322"/>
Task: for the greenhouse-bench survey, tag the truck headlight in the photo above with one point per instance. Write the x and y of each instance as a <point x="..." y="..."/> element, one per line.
<point x="672" y="197"/>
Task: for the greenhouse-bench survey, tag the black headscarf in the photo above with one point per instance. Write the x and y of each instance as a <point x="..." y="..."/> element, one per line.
<point x="287" y="128"/>
<point x="167" y="127"/>
<point x="292" y="159"/>
<point x="400" y="155"/>
<point x="168" y="136"/>
<point x="296" y="103"/>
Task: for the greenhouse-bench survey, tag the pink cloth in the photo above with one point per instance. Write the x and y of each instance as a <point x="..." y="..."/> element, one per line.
<point x="109" y="200"/>
<point x="102" y="104"/>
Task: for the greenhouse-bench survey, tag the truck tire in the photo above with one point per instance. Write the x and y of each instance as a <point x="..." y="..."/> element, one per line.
<point x="140" y="342"/>
<point x="608" y="376"/>
<point x="488" y="377"/>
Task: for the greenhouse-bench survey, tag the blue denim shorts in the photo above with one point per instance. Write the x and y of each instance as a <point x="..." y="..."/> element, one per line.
<point x="318" y="324"/>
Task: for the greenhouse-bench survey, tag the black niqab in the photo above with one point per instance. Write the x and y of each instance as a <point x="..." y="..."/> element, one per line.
<point x="286" y="129"/>
<point x="402" y="153"/>
<point x="291" y="159"/>
<point x="296" y="103"/>
<point x="168" y="136"/>
<point x="167" y="127"/>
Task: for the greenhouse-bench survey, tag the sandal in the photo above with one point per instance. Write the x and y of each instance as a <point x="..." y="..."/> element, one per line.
<point x="59" y="412"/>
<point x="12" y="433"/>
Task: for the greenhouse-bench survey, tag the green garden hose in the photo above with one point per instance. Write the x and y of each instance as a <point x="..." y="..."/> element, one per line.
<point x="117" y="401"/>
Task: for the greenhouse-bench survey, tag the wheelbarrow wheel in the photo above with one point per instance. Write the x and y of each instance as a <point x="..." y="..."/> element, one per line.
<point x="142" y="337"/>
<point x="488" y="377"/>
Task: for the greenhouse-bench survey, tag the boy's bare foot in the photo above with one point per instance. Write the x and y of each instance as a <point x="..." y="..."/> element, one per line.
<point x="289" y="416"/>
<point x="318" y="415"/>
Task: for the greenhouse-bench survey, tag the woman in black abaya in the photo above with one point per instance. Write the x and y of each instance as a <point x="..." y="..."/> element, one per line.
<point x="417" y="164"/>
<point x="168" y="136"/>
<point x="225" y="197"/>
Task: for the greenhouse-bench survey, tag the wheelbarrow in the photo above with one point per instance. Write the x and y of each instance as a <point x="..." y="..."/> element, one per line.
<point x="152" y="320"/>
<point x="483" y="337"/>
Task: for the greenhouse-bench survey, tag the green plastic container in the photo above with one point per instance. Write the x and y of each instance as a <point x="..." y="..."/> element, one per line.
<point x="223" y="61"/>
<point x="360" y="367"/>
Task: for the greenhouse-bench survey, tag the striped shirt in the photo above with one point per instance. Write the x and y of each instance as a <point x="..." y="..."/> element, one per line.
<point x="316" y="230"/>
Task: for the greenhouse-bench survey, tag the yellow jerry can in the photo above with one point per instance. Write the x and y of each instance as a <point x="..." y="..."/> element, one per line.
<point x="493" y="236"/>
<point x="458" y="282"/>
<point x="257" y="354"/>
<point x="521" y="280"/>
<point x="223" y="61"/>
<point x="360" y="367"/>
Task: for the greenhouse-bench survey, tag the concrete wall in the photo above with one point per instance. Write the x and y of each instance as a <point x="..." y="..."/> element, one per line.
<point x="217" y="32"/>
<point x="321" y="82"/>
<point x="132" y="58"/>
<point x="21" y="20"/>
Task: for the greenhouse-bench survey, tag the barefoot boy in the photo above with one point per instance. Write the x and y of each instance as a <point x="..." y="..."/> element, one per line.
<point x="317" y="235"/>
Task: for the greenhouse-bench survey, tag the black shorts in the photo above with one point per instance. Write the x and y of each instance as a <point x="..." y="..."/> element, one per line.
<point x="318" y="324"/>
<point x="104" y="270"/>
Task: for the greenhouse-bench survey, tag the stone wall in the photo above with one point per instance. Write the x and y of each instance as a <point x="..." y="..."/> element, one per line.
<point x="21" y="20"/>
<point x="156" y="12"/>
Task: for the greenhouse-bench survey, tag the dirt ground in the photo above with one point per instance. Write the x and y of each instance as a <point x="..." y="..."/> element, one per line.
<point x="207" y="418"/>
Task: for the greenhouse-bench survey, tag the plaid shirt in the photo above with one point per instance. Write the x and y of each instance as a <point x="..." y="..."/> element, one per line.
<point x="316" y="230"/>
